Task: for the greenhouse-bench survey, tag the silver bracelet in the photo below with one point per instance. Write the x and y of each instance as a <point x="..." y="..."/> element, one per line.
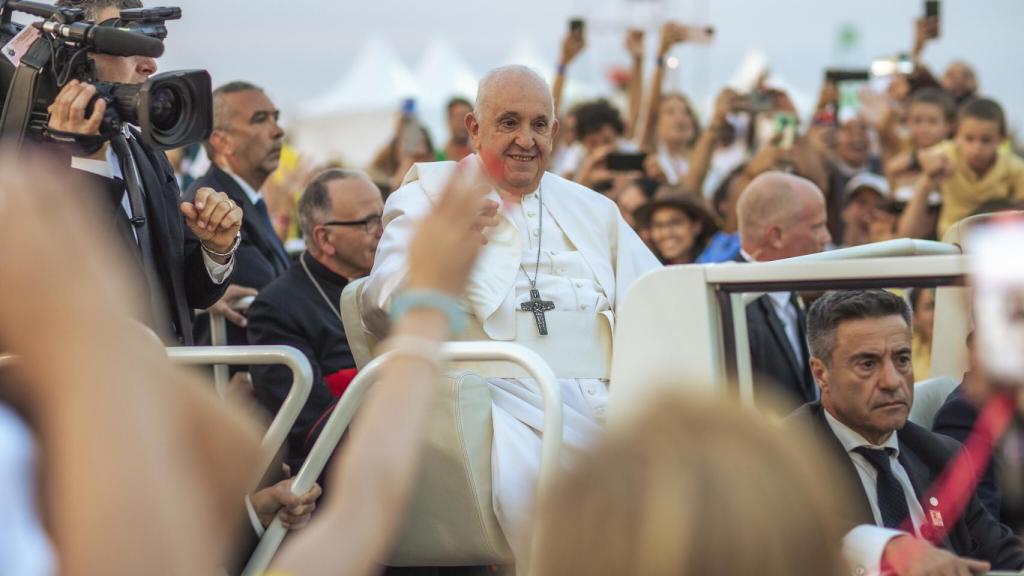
<point x="231" y="250"/>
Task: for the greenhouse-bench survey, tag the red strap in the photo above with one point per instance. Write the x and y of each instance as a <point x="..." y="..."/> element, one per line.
<point x="338" y="382"/>
<point x="945" y="502"/>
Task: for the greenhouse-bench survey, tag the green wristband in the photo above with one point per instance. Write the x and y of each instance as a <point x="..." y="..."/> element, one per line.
<point x="430" y="299"/>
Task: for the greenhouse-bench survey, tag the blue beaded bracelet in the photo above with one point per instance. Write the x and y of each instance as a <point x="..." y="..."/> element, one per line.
<point x="430" y="299"/>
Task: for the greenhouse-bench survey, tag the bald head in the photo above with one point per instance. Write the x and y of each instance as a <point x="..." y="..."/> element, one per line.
<point x="782" y="216"/>
<point x="513" y="127"/>
<point x="498" y="82"/>
<point x="960" y="80"/>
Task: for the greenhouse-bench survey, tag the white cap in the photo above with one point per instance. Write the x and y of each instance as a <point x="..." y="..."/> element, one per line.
<point x="867" y="180"/>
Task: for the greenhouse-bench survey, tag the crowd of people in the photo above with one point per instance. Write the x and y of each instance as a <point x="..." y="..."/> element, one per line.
<point x="529" y="225"/>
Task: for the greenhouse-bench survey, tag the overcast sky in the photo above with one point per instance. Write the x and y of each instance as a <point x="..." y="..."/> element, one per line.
<point x="297" y="49"/>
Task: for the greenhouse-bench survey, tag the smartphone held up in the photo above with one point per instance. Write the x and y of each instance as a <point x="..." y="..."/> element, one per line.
<point x="998" y="282"/>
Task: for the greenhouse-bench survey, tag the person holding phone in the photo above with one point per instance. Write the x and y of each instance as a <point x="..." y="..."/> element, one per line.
<point x="972" y="169"/>
<point x="609" y="162"/>
<point x="410" y="144"/>
<point x="670" y="127"/>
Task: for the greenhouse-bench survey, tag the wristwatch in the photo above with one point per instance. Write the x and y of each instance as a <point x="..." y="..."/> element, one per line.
<point x="231" y="250"/>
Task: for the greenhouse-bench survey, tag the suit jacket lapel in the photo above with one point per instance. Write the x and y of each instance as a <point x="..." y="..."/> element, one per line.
<point x="921" y="478"/>
<point x="861" y="507"/>
<point x="166" y="235"/>
<point x="804" y="372"/>
<point x="587" y="238"/>
<point x="779" y="333"/>
<point x="258" y="229"/>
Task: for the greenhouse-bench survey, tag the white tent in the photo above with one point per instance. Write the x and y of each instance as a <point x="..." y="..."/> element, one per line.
<point x="352" y="120"/>
<point x="524" y="52"/>
<point x="441" y="74"/>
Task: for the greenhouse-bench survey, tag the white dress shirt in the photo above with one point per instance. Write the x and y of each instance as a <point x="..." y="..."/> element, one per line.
<point x="789" y="316"/>
<point x="254" y="196"/>
<point x="111" y="168"/>
<point x="674" y="167"/>
<point x="786" y="313"/>
<point x="863" y="546"/>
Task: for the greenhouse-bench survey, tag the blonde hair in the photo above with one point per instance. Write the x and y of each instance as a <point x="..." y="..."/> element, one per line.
<point x="692" y="488"/>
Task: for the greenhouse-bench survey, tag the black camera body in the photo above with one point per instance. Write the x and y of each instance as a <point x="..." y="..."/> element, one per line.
<point x="172" y="109"/>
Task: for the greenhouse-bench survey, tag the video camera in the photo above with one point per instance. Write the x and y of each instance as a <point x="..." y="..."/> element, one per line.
<point x="172" y="109"/>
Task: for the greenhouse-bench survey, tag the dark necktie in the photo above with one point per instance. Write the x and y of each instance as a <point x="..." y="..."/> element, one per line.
<point x="892" y="501"/>
<point x="261" y="207"/>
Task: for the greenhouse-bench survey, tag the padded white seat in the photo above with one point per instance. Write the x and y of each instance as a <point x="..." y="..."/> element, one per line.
<point x="450" y="521"/>
<point x="929" y="396"/>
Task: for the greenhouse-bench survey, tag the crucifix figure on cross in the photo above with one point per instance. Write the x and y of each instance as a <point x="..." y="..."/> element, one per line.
<point x="538" y="307"/>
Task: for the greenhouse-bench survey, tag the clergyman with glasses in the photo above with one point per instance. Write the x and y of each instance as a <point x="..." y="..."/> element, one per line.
<point x="340" y="217"/>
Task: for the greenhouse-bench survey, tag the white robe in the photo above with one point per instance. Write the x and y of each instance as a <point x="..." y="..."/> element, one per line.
<point x="590" y="257"/>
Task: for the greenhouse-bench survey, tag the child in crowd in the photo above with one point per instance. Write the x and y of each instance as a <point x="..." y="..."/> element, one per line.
<point x="974" y="169"/>
<point x="931" y="117"/>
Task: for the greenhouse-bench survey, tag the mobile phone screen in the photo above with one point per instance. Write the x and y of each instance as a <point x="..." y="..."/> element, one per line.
<point x="999" y="297"/>
<point x="625" y="161"/>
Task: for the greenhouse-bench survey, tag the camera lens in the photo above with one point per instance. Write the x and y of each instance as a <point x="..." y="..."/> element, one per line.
<point x="164" y="108"/>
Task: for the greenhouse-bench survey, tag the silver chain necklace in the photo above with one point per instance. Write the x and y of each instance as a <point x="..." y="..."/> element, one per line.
<point x="536" y="304"/>
<point x="302" y="260"/>
<point x="540" y="238"/>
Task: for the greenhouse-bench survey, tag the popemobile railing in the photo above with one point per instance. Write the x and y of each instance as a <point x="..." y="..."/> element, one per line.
<point x="298" y="393"/>
<point x="350" y="401"/>
<point x="219" y="337"/>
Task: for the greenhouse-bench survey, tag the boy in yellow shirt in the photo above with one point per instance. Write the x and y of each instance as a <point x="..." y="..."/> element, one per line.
<point x="971" y="170"/>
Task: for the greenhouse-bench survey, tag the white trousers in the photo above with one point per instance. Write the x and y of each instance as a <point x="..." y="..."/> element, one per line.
<point x="518" y="416"/>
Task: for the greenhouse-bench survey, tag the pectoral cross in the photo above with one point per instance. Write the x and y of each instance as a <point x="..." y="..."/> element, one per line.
<point x="538" y="307"/>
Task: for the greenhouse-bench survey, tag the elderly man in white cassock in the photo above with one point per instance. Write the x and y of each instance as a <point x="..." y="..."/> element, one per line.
<point x="558" y="259"/>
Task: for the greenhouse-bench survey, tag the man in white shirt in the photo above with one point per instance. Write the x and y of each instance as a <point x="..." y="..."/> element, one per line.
<point x="558" y="260"/>
<point x="780" y="216"/>
<point x="861" y="360"/>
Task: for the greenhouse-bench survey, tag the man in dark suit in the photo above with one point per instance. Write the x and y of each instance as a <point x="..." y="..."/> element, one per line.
<point x="957" y="418"/>
<point x="245" y="148"/>
<point x="861" y="359"/>
<point x="340" y="215"/>
<point x="780" y="216"/>
<point x="186" y="266"/>
<point x="181" y="276"/>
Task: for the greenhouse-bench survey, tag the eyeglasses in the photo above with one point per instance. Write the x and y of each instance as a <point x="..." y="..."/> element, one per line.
<point x="371" y="224"/>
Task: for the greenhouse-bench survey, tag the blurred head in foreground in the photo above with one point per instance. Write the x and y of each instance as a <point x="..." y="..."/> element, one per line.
<point x="693" y="488"/>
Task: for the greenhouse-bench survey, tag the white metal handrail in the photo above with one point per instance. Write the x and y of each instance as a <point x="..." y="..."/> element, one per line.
<point x="670" y="331"/>
<point x="302" y="383"/>
<point x="830" y="265"/>
<point x="219" y="337"/>
<point x="339" y="420"/>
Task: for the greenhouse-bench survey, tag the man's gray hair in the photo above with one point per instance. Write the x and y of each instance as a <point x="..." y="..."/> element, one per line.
<point x="92" y="8"/>
<point x="221" y="113"/>
<point x="836" y="307"/>
<point x="315" y="205"/>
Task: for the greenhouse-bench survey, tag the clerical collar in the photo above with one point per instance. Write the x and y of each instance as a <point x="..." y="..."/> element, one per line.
<point x="508" y="196"/>
<point x="851" y="439"/>
<point x="323" y="272"/>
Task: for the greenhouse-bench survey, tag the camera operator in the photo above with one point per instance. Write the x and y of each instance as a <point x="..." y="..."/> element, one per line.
<point x="180" y="280"/>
